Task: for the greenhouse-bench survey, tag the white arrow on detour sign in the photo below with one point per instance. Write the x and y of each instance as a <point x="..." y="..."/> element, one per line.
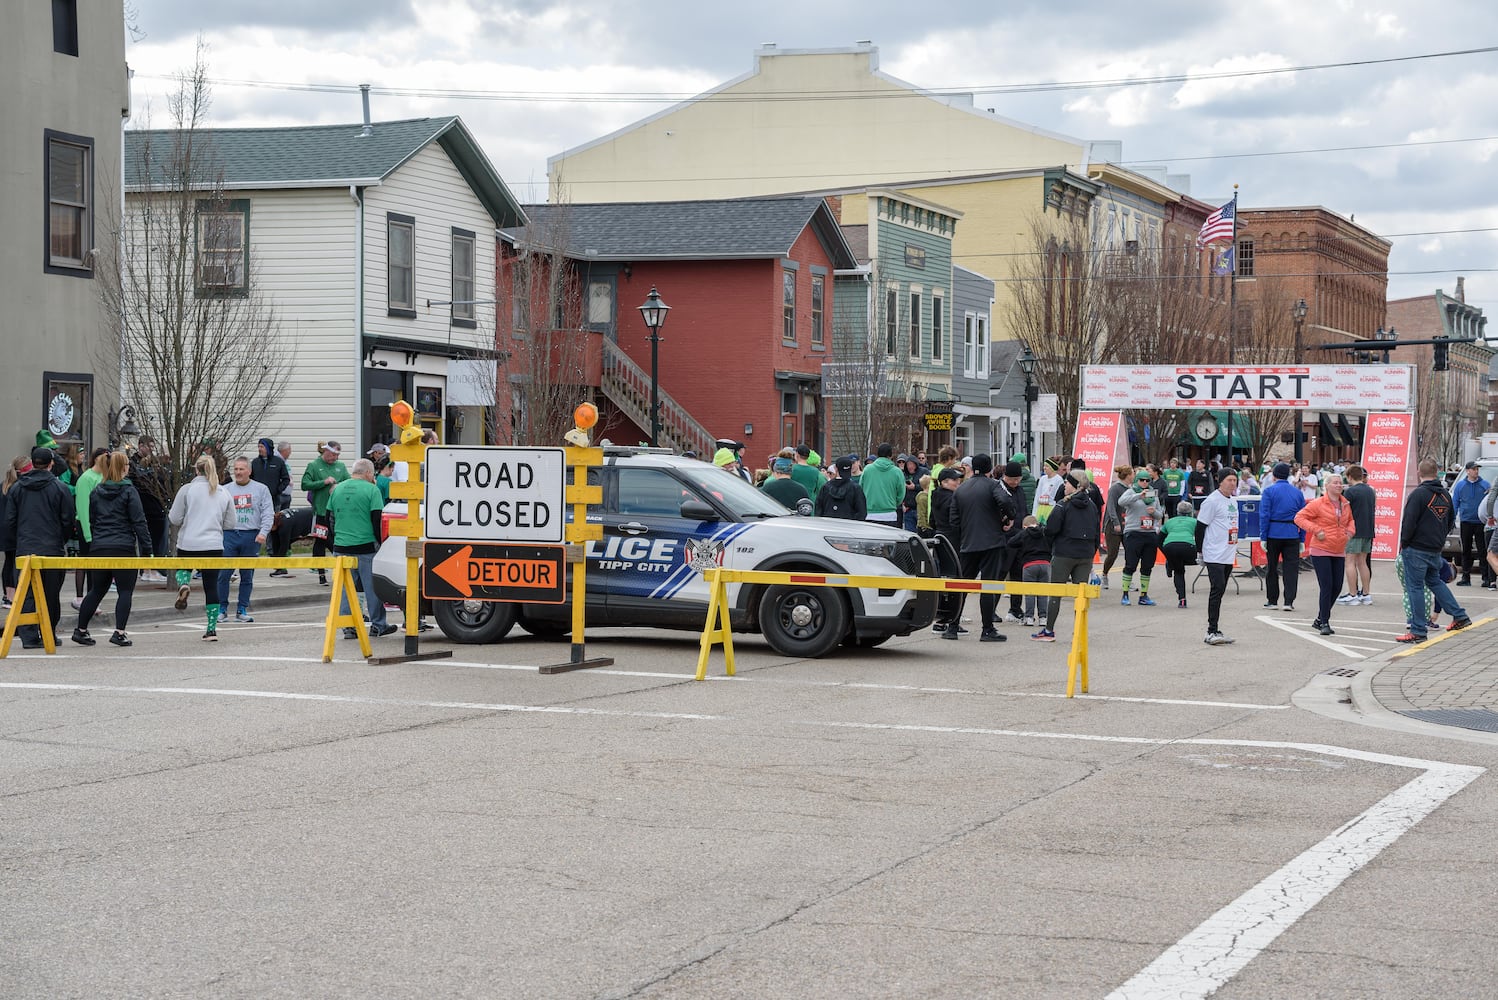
<point x="479" y="494"/>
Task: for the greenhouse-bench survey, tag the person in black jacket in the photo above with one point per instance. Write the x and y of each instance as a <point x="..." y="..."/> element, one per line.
<point x="118" y="521"/>
<point x="270" y="469"/>
<point x="841" y="496"/>
<point x="1429" y="513"/>
<point x="943" y="497"/>
<point x="1031" y="549"/>
<point x="39" y="520"/>
<point x="985" y="513"/>
<point x="1073" y="528"/>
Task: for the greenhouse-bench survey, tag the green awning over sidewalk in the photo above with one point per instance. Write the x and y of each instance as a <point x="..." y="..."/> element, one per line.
<point x="1242" y="429"/>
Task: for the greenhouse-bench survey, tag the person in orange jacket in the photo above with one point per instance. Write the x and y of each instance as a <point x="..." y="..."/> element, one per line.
<point x="1327" y="522"/>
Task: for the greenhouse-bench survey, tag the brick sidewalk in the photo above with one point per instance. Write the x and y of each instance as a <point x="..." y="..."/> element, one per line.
<point x="1452" y="682"/>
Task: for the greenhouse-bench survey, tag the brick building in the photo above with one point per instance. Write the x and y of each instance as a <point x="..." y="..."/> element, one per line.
<point x="1453" y="405"/>
<point x="750" y="285"/>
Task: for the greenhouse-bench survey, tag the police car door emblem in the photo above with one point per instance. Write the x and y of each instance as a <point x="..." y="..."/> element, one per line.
<point x="704" y="554"/>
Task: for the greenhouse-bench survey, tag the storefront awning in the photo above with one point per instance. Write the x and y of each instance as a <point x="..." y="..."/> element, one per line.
<point x="1242" y="429"/>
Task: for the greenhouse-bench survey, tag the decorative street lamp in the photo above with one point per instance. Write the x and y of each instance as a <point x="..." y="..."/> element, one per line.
<point x="1298" y="313"/>
<point x="1032" y="393"/>
<point x="122" y="425"/>
<point x="654" y="312"/>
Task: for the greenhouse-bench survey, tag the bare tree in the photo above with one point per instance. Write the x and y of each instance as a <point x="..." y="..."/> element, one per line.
<point x="199" y="353"/>
<point x="1265" y="335"/>
<point x="543" y="362"/>
<point x="1060" y="310"/>
<point x="873" y="400"/>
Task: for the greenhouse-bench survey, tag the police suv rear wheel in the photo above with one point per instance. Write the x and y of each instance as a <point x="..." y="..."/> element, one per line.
<point x="803" y="621"/>
<point x="474" y="621"/>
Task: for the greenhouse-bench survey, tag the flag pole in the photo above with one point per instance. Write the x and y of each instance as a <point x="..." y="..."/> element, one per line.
<point x="1232" y="314"/>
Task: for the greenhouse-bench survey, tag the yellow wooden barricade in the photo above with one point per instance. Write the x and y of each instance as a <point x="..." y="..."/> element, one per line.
<point x="30" y="582"/>
<point x="719" y="632"/>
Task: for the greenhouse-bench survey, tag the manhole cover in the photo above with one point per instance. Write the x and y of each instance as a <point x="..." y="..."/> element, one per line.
<point x="1251" y="761"/>
<point x="1481" y="719"/>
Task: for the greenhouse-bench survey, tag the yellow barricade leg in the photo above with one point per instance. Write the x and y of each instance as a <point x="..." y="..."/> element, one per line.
<point x="343" y="588"/>
<point x="30" y="582"/>
<point x="717" y="631"/>
<point x="1076" y="657"/>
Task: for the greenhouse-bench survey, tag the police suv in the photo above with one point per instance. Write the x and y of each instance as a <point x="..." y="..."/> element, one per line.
<point x="666" y="520"/>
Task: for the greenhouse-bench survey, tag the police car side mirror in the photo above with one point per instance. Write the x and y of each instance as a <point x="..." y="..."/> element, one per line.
<point x="696" y="510"/>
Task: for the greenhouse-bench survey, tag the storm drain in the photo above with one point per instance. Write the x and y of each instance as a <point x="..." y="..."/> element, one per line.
<point x="1481" y="719"/>
<point x="1342" y="672"/>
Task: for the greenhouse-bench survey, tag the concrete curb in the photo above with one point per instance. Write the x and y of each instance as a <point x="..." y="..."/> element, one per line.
<point x="1371" y="712"/>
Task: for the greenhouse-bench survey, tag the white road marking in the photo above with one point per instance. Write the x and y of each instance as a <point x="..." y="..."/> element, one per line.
<point x="1299" y="632"/>
<point x="1197" y="965"/>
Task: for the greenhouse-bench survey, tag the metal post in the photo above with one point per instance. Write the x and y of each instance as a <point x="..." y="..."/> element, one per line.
<point x="655" y="389"/>
<point x="1298" y="312"/>
<point x="1029" y="443"/>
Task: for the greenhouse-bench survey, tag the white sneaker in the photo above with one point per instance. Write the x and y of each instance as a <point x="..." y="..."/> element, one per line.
<point x="1348" y="599"/>
<point x="1365" y="598"/>
<point x="1013" y="619"/>
<point x="1030" y="621"/>
<point x="1217" y="639"/>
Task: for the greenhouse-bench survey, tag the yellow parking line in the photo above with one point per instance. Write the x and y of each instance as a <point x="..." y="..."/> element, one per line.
<point x="1440" y="637"/>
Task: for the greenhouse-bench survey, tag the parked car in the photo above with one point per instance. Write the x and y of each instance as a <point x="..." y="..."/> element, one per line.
<point x="667" y="519"/>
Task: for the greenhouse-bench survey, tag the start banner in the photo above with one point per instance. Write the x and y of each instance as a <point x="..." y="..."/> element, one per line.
<point x="1097" y="443"/>
<point x="1388" y="443"/>
<point x="1313" y="387"/>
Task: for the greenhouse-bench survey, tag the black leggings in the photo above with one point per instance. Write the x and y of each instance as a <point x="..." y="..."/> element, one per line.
<point x="124" y="581"/>
<point x="1179" y="555"/>
<point x="1110" y="550"/>
<point x="1139" y="552"/>
<point x="210" y="576"/>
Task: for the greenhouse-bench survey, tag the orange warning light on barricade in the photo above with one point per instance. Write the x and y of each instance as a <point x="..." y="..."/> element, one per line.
<point x="404" y="418"/>
<point x="585" y="416"/>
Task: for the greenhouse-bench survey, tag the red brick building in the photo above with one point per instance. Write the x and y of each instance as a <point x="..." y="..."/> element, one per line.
<point x="1454" y="405"/>
<point x="750" y="286"/>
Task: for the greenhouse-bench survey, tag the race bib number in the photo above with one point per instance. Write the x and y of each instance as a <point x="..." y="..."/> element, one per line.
<point x="1147" y="523"/>
<point x="1232" y="536"/>
<point x="320" y="531"/>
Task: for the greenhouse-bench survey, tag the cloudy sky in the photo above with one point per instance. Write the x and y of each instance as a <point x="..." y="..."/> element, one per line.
<point x="1404" y="142"/>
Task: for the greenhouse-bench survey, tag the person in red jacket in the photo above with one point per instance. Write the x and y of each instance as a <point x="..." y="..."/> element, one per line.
<point x="1327" y="522"/>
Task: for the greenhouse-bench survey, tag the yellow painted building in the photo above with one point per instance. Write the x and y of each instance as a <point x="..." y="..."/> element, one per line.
<point x="828" y="122"/>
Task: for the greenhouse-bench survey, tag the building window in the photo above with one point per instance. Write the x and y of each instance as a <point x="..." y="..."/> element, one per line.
<point x="70" y="222"/>
<point x="788" y="320"/>
<point x="517" y="298"/>
<point x="915" y="326"/>
<point x="982" y="352"/>
<point x="401" y="264"/>
<point x="223" y="247"/>
<point x="65" y="27"/>
<point x="817" y="290"/>
<point x="975" y="346"/>
<point x="891" y="317"/>
<point x="462" y="307"/>
<point x="1245" y="258"/>
<point x="936" y="327"/>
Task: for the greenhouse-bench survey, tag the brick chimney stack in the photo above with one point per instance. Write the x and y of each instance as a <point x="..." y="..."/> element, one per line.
<point x="1461" y="289"/>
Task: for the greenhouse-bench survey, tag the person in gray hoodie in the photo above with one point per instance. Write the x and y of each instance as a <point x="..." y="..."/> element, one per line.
<point x="1143" y="513"/>
<point x="254" y="513"/>
<point x="202" y="511"/>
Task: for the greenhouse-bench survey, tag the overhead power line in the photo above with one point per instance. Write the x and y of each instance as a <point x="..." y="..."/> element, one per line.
<point x="666" y="97"/>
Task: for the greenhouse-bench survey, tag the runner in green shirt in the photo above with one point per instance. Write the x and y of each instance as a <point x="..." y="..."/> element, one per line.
<point x="1178" y="543"/>
<point x="1174" y="480"/>
<point x="355" y="507"/>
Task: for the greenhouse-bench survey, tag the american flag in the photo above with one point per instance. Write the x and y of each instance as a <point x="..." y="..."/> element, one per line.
<point x="1219" y="225"/>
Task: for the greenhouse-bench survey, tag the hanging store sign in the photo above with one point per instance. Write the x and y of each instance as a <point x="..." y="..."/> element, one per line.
<point x="939" y="416"/>
<point x="1314" y="387"/>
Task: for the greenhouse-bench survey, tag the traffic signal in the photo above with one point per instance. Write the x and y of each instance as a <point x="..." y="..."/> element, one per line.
<point x="1439" y="347"/>
<point x="404" y="418"/>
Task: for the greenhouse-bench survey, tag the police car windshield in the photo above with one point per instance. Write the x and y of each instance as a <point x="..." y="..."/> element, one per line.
<point x="741" y="499"/>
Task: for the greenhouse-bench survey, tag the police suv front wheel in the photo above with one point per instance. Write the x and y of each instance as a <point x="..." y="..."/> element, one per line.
<point x="803" y="621"/>
<point x="474" y="621"/>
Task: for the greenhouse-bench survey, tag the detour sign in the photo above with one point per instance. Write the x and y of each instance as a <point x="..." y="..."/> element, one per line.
<point x="458" y="571"/>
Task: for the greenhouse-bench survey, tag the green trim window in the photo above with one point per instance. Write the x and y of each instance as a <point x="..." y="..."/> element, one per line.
<point x="223" y="241"/>
<point x="936" y="327"/>
<point x="891" y="322"/>
<point x="400" y="231"/>
<point x="788" y="308"/>
<point x="463" y="256"/>
<point x="915" y="326"/>
<point x="818" y="291"/>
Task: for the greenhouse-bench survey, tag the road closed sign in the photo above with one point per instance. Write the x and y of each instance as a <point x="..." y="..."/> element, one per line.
<point x="495" y="494"/>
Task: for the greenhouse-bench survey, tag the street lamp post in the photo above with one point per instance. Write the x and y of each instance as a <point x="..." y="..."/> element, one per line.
<point x="1032" y="393"/>
<point x="654" y="313"/>
<point x="1298" y="313"/>
<point x="121" y="425"/>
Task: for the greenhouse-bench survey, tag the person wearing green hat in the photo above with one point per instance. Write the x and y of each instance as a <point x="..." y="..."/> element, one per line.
<point x="1047" y="489"/>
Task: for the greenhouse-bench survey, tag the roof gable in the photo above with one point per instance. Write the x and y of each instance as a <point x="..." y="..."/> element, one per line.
<point x="322" y="156"/>
<point x="723" y="229"/>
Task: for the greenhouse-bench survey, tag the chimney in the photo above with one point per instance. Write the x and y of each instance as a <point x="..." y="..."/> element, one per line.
<point x="364" y="96"/>
<point x="1461" y="289"/>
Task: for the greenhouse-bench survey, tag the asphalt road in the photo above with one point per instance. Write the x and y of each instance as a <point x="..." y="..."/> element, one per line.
<point x="928" y="818"/>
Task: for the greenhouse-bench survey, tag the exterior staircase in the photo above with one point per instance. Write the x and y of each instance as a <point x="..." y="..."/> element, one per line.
<point x="627" y="386"/>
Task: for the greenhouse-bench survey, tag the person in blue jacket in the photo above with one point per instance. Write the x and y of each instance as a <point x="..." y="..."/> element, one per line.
<point x="1278" y="505"/>
<point x="1467" y="495"/>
